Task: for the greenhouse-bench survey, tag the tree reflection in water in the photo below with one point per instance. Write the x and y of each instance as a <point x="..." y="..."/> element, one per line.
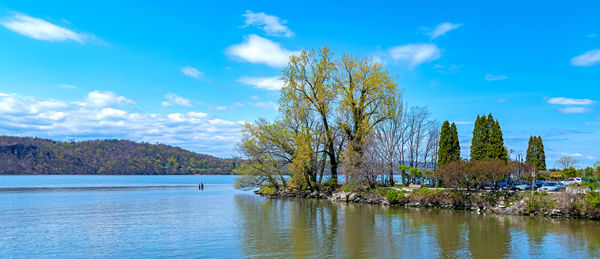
<point x="312" y="228"/>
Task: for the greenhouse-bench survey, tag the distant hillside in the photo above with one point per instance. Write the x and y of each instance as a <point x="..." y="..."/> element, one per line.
<point x="20" y="155"/>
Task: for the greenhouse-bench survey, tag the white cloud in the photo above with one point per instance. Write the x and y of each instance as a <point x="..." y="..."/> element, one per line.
<point x="176" y="99"/>
<point x="256" y="49"/>
<point x="575" y="110"/>
<point x="191" y="72"/>
<point x="269" y="105"/>
<point x="273" y="83"/>
<point x="570" y="101"/>
<point x="271" y="25"/>
<point x="589" y="58"/>
<point x="462" y="122"/>
<point x="415" y="54"/>
<point x="48" y="118"/>
<point x="226" y="107"/>
<point x="104" y="98"/>
<point x="39" y="29"/>
<point x="490" y="77"/>
<point x="67" y="86"/>
<point x="443" y="28"/>
<point x="574" y="154"/>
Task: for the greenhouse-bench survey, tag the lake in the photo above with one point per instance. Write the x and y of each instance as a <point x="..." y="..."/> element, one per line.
<point x="167" y="216"/>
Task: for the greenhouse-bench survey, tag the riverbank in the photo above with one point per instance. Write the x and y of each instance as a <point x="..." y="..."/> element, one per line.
<point x="562" y="204"/>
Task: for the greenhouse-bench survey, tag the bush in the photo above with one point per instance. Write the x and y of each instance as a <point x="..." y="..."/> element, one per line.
<point x="538" y="202"/>
<point x="349" y="188"/>
<point x="266" y="189"/>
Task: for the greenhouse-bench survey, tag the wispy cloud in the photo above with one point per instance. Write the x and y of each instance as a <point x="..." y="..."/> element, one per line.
<point x="462" y="122"/>
<point x="67" y="86"/>
<point x="271" y="25"/>
<point x="191" y="72"/>
<point x="589" y="58"/>
<point x="258" y="50"/>
<point x="574" y="154"/>
<point x="173" y="99"/>
<point x="39" y="29"/>
<point x="490" y="77"/>
<point x="273" y="83"/>
<point x="415" y="54"/>
<point x="268" y="105"/>
<point x="575" y="110"/>
<point x="570" y="101"/>
<point x="443" y="28"/>
<point x="226" y="107"/>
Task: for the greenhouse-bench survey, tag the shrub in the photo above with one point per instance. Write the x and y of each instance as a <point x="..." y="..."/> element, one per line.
<point x="349" y="188"/>
<point x="266" y="189"/>
<point x="538" y="202"/>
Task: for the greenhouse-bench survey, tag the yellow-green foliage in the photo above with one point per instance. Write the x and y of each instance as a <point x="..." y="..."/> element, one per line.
<point x="265" y="189"/>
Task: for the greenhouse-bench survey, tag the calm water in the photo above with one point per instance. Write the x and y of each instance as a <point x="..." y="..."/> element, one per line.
<point x="160" y="216"/>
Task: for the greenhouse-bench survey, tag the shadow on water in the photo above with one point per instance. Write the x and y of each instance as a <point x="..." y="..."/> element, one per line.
<point x="312" y="228"/>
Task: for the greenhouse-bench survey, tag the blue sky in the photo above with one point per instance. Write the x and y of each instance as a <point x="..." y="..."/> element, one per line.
<point x="189" y="74"/>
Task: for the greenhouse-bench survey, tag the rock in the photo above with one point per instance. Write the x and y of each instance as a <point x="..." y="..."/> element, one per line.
<point x="556" y="212"/>
<point x="352" y="196"/>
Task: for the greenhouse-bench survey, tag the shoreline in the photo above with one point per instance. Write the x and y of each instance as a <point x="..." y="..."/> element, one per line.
<point x="559" y="205"/>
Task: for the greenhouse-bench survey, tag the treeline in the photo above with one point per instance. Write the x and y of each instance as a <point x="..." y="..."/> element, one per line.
<point x="24" y="155"/>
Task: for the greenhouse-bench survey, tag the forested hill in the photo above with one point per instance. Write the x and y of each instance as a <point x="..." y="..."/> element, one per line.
<point x="20" y="155"/>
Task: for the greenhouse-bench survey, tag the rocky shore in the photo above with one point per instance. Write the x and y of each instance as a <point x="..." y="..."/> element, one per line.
<point x="508" y="203"/>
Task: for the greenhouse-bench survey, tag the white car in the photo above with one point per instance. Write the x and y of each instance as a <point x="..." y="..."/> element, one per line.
<point x="552" y="187"/>
<point x="573" y="180"/>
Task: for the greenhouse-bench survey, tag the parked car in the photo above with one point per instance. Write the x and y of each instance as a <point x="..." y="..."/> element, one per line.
<point x="573" y="180"/>
<point x="552" y="187"/>
<point x="539" y="183"/>
<point x="506" y="183"/>
<point x="521" y="185"/>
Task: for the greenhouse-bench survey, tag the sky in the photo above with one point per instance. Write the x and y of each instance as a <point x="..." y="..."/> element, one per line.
<point x="190" y="74"/>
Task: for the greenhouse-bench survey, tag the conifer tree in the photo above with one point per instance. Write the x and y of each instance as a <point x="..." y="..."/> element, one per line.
<point x="487" y="139"/>
<point x="455" y="149"/>
<point x="480" y="139"/>
<point x="535" y="153"/>
<point x="444" y="151"/>
<point x="541" y="155"/>
<point x="496" y="147"/>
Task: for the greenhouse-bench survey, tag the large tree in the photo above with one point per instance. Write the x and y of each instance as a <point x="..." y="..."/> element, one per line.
<point x="455" y="146"/>
<point x="369" y="95"/>
<point x="445" y="149"/>
<point x="480" y="139"/>
<point x="346" y="97"/>
<point x="309" y="91"/>
<point x="535" y="153"/>
<point x="449" y="150"/>
<point x="496" y="147"/>
<point x="487" y="142"/>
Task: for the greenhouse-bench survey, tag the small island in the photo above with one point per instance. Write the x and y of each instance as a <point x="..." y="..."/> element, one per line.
<point x="347" y="114"/>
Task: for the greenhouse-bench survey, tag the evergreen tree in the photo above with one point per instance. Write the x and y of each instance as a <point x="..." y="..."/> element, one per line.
<point x="444" y="151"/>
<point x="487" y="139"/>
<point x="480" y="139"/>
<point x="535" y="153"/>
<point x="496" y="147"/>
<point x="455" y="149"/>
<point x="541" y="155"/>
